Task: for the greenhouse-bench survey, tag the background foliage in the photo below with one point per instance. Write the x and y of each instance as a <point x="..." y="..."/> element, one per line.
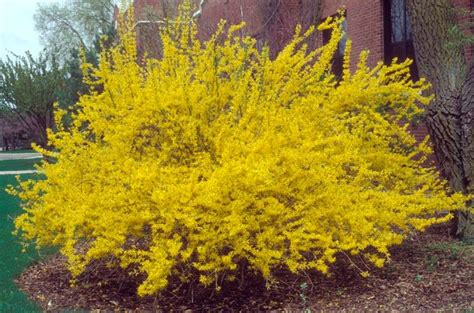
<point x="29" y="87"/>
<point x="73" y="24"/>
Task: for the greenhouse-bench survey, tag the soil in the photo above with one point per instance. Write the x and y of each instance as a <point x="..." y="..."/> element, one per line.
<point x="429" y="272"/>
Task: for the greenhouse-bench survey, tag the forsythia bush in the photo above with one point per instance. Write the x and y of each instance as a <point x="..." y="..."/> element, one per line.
<point x="217" y="155"/>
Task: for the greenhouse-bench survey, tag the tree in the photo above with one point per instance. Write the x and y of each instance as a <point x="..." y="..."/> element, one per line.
<point x="450" y="118"/>
<point x="74" y="24"/>
<point x="217" y="157"/>
<point x="75" y="32"/>
<point x="29" y="88"/>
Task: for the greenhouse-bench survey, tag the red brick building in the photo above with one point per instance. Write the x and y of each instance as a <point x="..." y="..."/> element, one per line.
<point x="381" y="26"/>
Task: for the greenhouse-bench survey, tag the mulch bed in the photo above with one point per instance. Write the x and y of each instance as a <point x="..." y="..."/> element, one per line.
<point x="429" y="272"/>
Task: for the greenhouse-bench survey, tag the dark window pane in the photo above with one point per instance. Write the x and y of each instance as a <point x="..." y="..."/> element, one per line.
<point x="326" y="36"/>
<point x="338" y="59"/>
<point x="408" y="27"/>
<point x="397" y="15"/>
<point x="400" y="23"/>
<point x="342" y="44"/>
<point x="398" y="36"/>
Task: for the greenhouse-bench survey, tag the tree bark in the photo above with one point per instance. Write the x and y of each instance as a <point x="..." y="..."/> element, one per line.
<point x="449" y="118"/>
<point x="465" y="220"/>
<point x="467" y="122"/>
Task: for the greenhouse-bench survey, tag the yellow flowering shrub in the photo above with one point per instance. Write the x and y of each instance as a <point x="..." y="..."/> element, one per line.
<point x="217" y="155"/>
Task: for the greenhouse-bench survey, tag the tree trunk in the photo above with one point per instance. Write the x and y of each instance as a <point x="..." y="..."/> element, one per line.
<point x="449" y="118"/>
<point x="467" y="121"/>
<point x="466" y="220"/>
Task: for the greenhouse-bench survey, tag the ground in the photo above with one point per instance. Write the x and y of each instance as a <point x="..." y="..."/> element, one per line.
<point x="429" y="272"/>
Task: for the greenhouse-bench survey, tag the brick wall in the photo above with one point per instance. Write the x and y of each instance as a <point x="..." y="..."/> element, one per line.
<point x="273" y="21"/>
<point x="281" y="22"/>
<point x="148" y="14"/>
<point x="364" y="26"/>
<point x="463" y="19"/>
<point x="269" y="21"/>
<point x="234" y="12"/>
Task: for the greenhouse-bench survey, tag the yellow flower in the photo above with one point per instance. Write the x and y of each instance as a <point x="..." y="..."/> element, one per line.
<point x="217" y="154"/>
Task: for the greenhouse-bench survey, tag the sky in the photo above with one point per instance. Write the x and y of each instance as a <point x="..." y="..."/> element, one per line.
<point x="17" y="30"/>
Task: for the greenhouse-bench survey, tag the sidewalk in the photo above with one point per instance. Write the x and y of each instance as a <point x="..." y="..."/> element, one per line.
<point x="20" y="156"/>
<point x="18" y="172"/>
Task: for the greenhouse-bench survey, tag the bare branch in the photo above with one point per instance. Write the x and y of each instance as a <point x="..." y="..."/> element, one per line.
<point x="199" y="11"/>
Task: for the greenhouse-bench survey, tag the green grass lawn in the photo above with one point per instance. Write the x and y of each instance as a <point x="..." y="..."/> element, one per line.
<point x="12" y="260"/>
<point x="18" y="165"/>
<point x="19" y="151"/>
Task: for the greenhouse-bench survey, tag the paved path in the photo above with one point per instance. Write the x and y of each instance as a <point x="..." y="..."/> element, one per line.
<point x="18" y="172"/>
<point x="19" y="156"/>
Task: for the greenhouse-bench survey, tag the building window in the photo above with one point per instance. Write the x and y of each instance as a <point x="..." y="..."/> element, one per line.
<point x="338" y="59"/>
<point x="398" y="34"/>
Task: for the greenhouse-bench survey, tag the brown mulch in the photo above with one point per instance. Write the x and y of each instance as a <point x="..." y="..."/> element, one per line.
<point x="429" y="272"/>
